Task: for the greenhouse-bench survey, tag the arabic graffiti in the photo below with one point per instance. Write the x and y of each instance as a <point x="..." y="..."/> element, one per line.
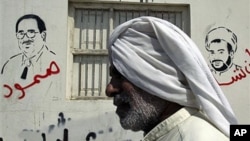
<point x="52" y="70"/>
<point x="91" y="135"/>
<point x="61" y="119"/>
<point x="66" y="129"/>
<point x="65" y="135"/>
<point x="239" y="73"/>
<point x="247" y="51"/>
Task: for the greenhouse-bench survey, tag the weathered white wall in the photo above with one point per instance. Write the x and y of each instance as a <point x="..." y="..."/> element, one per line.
<point x="44" y="113"/>
<point x="206" y="15"/>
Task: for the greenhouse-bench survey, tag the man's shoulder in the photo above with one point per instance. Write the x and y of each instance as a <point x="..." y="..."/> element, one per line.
<point x="190" y="129"/>
<point x="47" y="50"/>
<point x="15" y="60"/>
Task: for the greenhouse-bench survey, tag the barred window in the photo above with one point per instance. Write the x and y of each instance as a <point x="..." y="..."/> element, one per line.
<point x="91" y="26"/>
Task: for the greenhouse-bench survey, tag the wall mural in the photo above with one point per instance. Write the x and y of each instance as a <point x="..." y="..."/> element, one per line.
<point x="221" y="44"/>
<point x="34" y="63"/>
<point x="33" y="67"/>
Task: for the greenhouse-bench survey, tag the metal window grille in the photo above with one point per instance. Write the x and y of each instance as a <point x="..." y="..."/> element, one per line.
<point x="91" y="31"/>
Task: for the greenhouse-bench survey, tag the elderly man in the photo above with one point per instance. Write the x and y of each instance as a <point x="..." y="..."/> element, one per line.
<point x="162" y="85"/>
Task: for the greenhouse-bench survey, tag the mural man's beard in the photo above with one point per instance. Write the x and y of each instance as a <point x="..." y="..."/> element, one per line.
<point x="226" y="65"/>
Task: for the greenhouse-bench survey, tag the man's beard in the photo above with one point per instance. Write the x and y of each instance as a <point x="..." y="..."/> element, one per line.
<point x="225" y="65"/>
<point x="140" y="113"/>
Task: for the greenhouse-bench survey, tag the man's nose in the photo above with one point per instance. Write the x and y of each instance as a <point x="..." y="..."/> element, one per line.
<point x="112" y="89"/>
<point x="25" y="37"/>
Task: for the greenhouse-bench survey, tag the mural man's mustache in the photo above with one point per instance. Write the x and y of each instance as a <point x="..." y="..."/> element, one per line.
<point x="217" y="60"/>
<point x="28" y="42"/>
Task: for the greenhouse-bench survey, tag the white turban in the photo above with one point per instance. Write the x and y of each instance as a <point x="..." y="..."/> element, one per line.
<point x="161" y="59"/>
<point x="221" y="33"/>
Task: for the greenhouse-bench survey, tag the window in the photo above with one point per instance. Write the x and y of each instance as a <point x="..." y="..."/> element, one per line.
<point x="90" y="27"/>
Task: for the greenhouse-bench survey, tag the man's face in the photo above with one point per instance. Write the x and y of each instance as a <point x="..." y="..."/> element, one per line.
<point x="30" y="40"/>
<point x="219" y="56"/>
<point x="137" y="109"/>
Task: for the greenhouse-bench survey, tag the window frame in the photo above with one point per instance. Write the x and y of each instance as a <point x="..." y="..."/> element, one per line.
<point x="111" y="6"/>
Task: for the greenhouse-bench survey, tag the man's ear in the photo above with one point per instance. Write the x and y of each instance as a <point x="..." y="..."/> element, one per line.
<point x="231" y="54"/>
<point x="43" y="35"/>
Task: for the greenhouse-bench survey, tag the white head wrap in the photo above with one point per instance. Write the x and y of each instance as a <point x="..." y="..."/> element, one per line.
<point x="221" y="33"/>
<point x="159" y="58"/>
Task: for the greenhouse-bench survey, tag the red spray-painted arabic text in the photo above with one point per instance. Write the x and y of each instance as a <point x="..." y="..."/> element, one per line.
<point x="52" y="70"/>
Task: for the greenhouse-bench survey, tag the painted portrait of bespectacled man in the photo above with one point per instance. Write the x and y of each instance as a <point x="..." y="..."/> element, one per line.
<point x="221" y="43"/>
<point x="34" y="56"/>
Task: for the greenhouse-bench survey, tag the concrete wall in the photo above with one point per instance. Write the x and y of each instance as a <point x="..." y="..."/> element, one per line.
<point x="38" y="108"/>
